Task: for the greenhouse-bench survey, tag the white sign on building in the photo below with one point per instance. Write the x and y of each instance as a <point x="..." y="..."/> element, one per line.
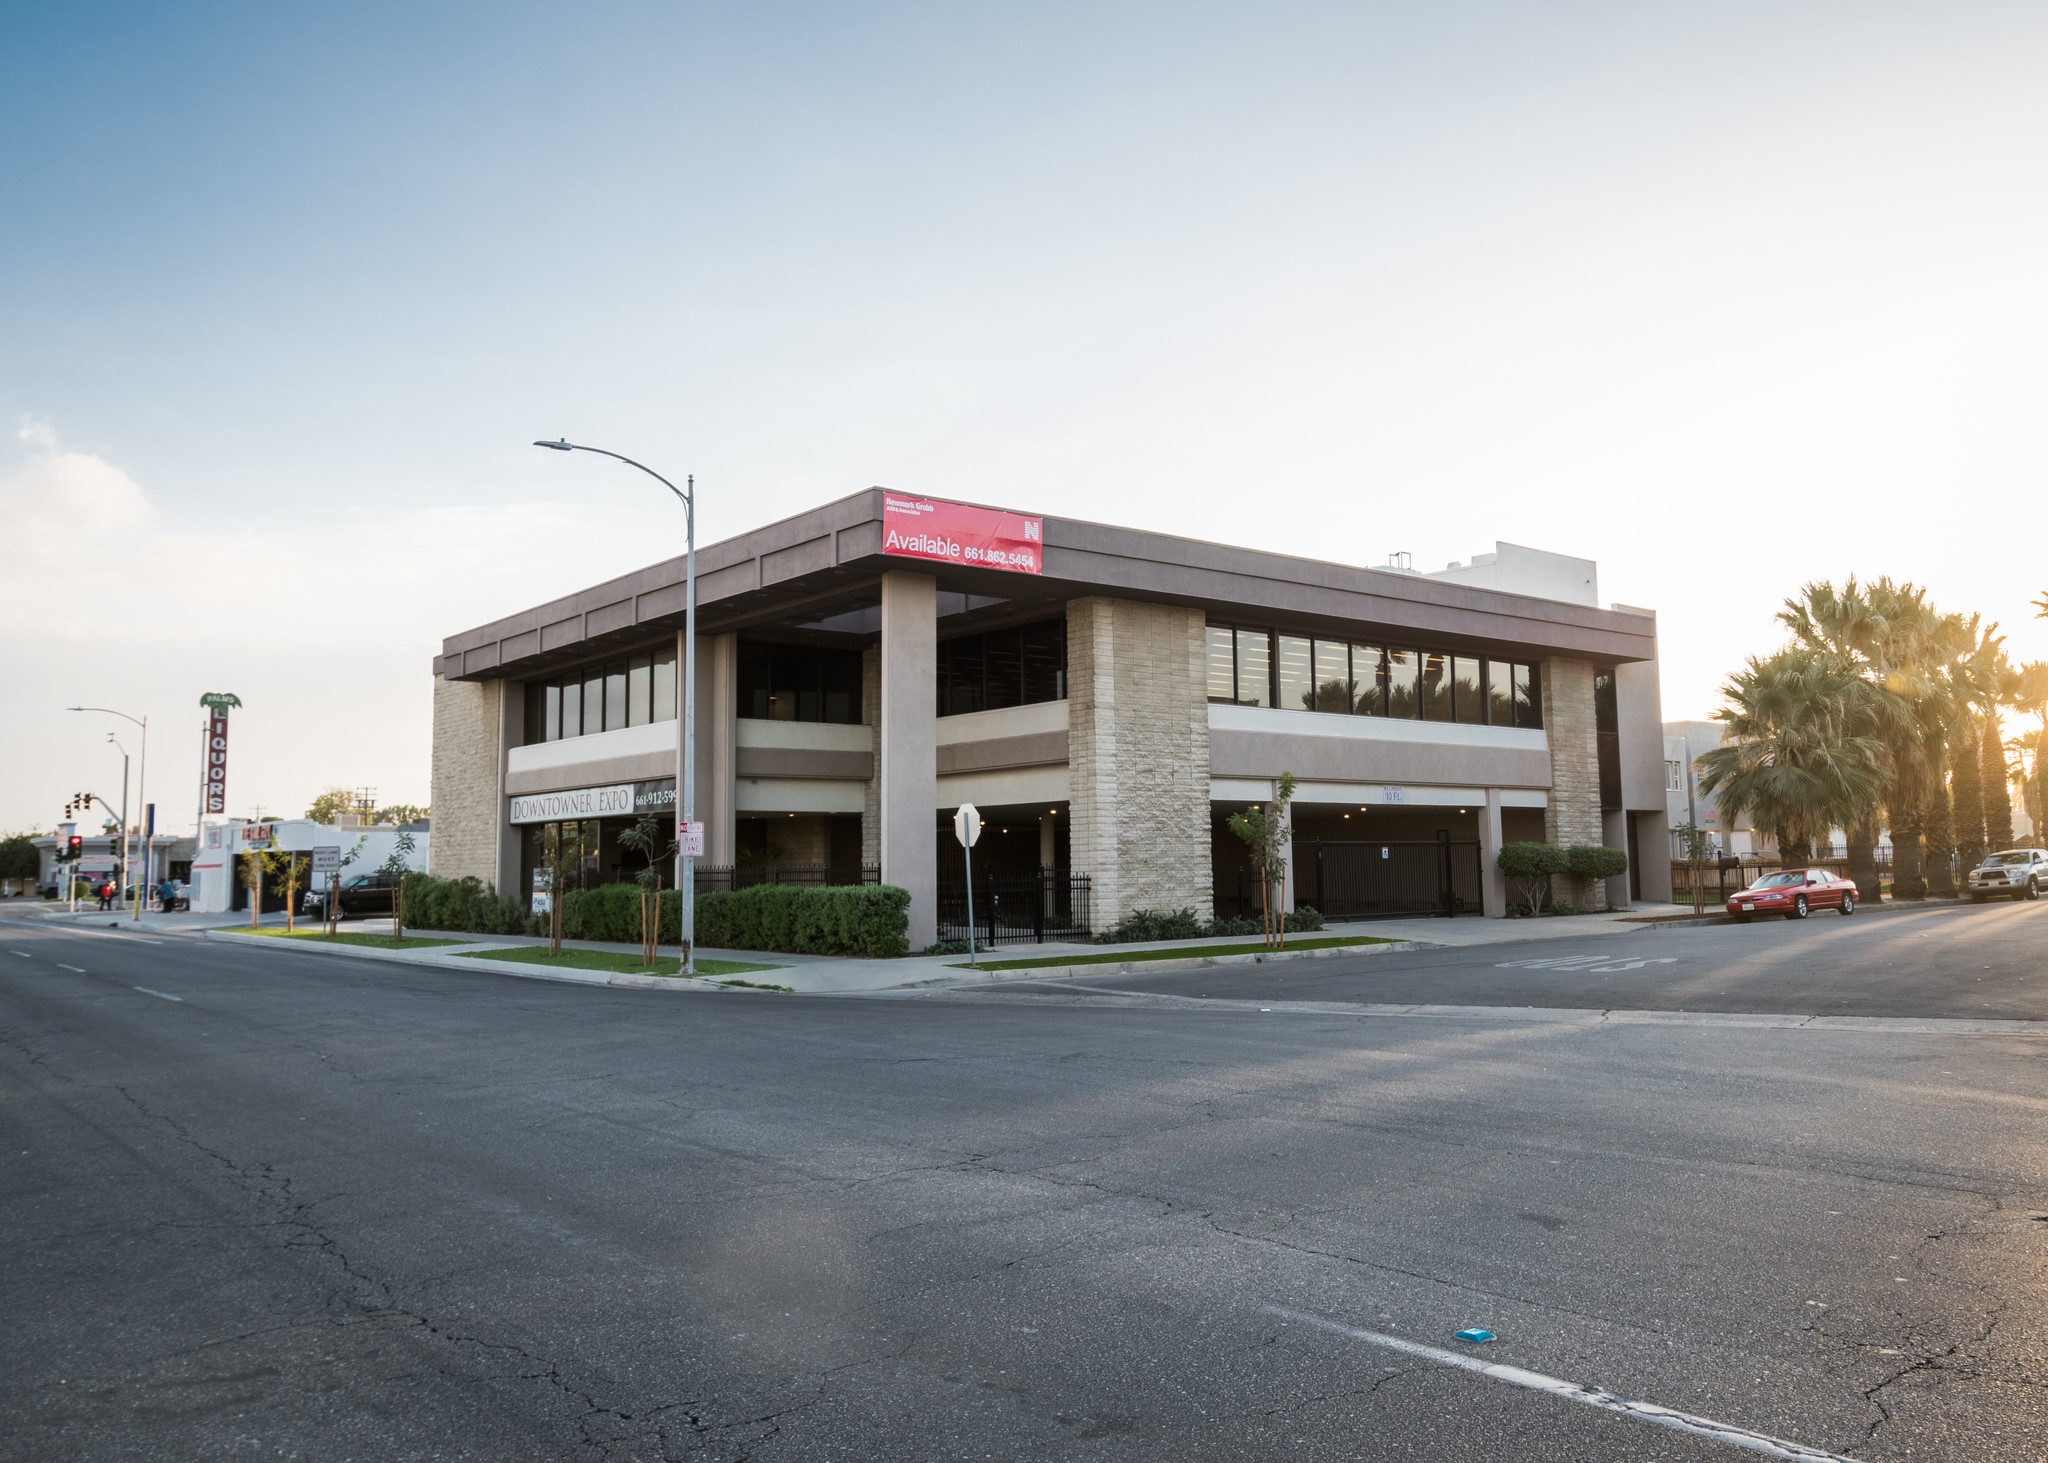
<point x="579" y="802"/>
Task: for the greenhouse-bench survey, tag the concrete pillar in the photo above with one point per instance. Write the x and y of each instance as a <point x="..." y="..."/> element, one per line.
<point x="718" y="657"/>
<point x="511" y="733"/>
<point x="1493" y="884"/>
<point x="1614" y="833"/>
<point x="908" y="766"/>
<point x="871" y="717"/>
<point x="1046" y="842"/>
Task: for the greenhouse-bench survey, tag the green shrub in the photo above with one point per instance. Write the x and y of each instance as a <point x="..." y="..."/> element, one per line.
<point x="461" y="904"/>
<point x="1530" y="865"/>
<point x="1238" y="925"/>
<point x="852" y="919"/>
<point x="1150" y="924"/>
<point x="1597" y="861"/>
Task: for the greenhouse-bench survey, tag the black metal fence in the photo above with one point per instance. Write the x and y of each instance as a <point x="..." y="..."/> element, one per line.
<point x="1722" y="877"/>
<point x="745" y="876"/>
<point x="1016" y="906"/>
<point x="1356" y="880"/>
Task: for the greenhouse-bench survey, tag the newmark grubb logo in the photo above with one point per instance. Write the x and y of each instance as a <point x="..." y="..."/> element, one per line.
<point x="958" y="533"/>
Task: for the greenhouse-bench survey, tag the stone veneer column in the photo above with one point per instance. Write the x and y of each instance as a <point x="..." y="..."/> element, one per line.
<point x="908" y="767"/>
<point x="1138" y="756"/>
<point x="871" y="717"/>
<point x="718" y="748"/>
<point x="511" y="733"/>
<point x="464" y="839"/>
<point x="1572" y="814"/>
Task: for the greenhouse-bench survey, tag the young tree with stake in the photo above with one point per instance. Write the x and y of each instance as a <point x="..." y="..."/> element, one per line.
<point x="644" y="837"/>
<point x="1268" y="836"/>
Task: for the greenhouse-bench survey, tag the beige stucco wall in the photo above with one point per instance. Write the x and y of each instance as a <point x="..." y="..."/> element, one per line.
<point x="465" y="782"/>
<point x="1138" y="748"/>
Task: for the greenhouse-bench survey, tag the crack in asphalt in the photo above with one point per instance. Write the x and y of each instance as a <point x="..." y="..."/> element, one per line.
<point x="373" y="1299"/>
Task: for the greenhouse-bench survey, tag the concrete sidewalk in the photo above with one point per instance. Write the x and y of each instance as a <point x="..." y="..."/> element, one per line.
<point x="840" y="975"/>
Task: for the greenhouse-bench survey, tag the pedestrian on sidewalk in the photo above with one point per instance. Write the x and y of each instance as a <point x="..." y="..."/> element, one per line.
<point x="107" y="894"/>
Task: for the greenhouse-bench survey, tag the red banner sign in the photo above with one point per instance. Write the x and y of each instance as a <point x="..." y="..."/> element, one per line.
<point x="954" y="533"/>
<point x="217" y="761"/>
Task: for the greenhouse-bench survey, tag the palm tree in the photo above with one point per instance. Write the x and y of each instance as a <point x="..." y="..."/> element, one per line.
<point x="1961" y="640"/>
<point x="1796" y="761"/>
<point x="1875" y="633"/>
<point x="2033" y="697"/>
<point x="2004" y="685"/>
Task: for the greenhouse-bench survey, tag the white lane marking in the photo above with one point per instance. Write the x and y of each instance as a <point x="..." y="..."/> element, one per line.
<point x="22" y="953"/>
<point x="74" y="969"/>
<point x="1598" y="964"/>
<point x="138" y="940"/>
<point x="158" y="994"/>
<point x="1685" y="1422"/>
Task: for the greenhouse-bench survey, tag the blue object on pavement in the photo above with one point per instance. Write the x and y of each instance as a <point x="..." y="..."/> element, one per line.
<point x="1475" y="1335"/>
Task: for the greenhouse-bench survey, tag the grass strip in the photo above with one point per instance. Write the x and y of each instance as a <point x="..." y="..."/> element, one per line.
<point x="375" y="942"/>
<point x="618" y="962"/>
<point x="1184" y="952"/>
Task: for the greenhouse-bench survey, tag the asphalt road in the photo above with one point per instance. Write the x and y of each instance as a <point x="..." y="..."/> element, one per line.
<point x="1936" y="960"/>
<point x="267" y="1203"/>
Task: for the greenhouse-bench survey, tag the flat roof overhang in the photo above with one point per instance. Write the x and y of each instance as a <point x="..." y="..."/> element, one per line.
<point x="817" y="577"/>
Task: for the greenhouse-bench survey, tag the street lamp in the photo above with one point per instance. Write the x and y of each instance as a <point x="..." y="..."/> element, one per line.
<point x="141" y="774"/>
<point x="686" y="756"/>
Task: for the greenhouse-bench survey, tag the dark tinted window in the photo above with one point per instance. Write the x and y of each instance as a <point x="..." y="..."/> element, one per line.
<point x="1254" y="667"/>
<point x="1607" y="732"/>
<point x="1248" y="667"/>
<point x="1293" y="674"/>
<point x="1019" y="666"/>
<point x="1222" y="665"/>
<point x="798" y="683"/>
<point x="1333" y="676"/>
<point x="1468" y="697"/>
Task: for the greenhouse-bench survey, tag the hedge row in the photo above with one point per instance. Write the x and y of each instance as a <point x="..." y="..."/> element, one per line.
<point x="866" y="919"/>
<point x="462" y="904"/>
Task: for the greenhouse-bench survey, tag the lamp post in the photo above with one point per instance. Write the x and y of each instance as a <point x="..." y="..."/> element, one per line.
<point x="141" y="775"/>
<point x="686" y="754"/>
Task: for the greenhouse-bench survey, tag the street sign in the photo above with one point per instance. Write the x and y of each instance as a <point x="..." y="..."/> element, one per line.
<point x="327" y="858"/>
<point x="690" y="840"/>
<point x="967" y="828"/>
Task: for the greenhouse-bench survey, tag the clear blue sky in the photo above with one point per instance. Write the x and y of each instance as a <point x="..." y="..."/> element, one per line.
<point x="1724" y="296"/>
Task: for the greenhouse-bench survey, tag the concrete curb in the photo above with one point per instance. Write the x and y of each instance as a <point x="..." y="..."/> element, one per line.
<point x="971" y="976"/>
<point x="447" y="959"/>
<point x="1538" y="1015"/>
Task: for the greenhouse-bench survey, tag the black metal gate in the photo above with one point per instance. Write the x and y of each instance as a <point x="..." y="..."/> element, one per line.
<point x="1347" y="880"/>
<point x="1016" y="907"/>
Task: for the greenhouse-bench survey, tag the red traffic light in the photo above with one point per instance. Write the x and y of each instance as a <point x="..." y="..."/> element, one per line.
<point x="74" y="846"/>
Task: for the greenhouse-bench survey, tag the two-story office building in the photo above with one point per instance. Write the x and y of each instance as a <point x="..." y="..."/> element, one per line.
<point x="1106" y="696"/>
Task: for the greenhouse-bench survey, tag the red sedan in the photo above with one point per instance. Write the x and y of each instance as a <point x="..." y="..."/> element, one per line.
<point x="1794" y="893"/>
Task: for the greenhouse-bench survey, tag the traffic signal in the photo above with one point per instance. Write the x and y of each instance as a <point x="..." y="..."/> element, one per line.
<point x="74" y="846"/>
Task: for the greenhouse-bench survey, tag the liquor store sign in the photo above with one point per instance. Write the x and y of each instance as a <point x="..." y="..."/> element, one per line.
<point x="576" y="803"/>
<point x="960" y="533"/>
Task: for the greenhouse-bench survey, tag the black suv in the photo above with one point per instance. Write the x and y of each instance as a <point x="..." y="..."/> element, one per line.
<point x="368" y="894"/>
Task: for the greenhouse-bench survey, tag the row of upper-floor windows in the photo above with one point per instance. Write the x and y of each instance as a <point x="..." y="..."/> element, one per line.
<point x="599" y="698"/>
<point x="1254" y="667"/>
<point x="1017" y="666"/>
<point x="1022" y="665"/>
